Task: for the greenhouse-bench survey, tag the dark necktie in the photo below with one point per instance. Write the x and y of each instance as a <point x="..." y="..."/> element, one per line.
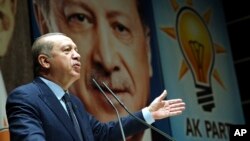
<point x="72" y="115"/>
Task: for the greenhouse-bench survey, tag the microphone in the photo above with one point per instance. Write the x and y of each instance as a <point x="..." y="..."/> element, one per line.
<point x="118" y="116"/>
<point x="138" y="119"/>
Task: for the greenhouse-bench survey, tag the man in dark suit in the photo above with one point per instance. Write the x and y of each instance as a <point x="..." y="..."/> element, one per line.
<point x="38" y="110"/>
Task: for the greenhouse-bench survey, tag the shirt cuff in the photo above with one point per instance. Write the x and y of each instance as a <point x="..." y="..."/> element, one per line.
<point x="147" y="116"/>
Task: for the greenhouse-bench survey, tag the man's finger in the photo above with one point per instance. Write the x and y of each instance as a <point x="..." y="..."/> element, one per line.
<point x="163" y="95"/>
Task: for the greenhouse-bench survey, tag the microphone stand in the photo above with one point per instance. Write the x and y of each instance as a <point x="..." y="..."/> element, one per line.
<point x="140" y="120"/>
<point x="119" y="120"/>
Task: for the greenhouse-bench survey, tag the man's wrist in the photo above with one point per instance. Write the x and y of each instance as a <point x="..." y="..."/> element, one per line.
<point x="147" y="115"/>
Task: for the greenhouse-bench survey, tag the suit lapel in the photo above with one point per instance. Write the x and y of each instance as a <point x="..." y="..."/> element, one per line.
<point x="52" y="102"/>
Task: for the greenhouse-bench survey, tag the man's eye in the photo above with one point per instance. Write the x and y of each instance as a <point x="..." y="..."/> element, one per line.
<point x="122" y="32"/>
<point x="67" y="50"/>
<point x="78" y="18"/>
<point x="121" y="28"/>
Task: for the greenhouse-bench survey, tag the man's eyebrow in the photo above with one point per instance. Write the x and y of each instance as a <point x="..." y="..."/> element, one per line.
<point x="115" y="13"/>
<point x="77" y="3"/>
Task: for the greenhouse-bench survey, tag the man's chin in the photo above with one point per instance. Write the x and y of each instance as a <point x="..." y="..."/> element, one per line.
<point x="76" y="75"/>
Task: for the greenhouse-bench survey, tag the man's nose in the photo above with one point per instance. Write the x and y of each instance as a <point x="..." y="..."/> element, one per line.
<point x="76" y="55"/>
<point x="105" y="48"/>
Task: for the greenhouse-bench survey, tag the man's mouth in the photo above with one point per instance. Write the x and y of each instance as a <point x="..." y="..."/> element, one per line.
<point x="77" y="65"/>
<point x="114" y="89"/>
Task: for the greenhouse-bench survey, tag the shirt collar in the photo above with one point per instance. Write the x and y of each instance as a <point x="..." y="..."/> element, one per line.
<point x="56" y="89"/>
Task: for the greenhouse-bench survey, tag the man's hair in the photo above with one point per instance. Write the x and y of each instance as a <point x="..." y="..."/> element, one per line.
<point x="143" y="7"/>
<point x="42" y="46"/>
<point x="44" y="5"/>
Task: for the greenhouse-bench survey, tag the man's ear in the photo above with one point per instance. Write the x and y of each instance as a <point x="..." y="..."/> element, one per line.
<point x="43" y="61"/>
<point x="148" y="48"/>
<point x="40" y="18"/>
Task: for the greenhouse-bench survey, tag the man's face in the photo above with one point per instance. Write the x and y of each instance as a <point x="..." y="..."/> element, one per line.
<point x="7" y="20"/>
<point x="64" y="62"/>
<point x="114" y="49"/>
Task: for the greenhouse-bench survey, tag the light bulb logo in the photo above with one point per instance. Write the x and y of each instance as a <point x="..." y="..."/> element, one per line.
<point x="197" y="48"/>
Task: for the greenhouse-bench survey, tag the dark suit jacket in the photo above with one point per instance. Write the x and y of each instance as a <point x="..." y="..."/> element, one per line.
<point x="35" y="114"/>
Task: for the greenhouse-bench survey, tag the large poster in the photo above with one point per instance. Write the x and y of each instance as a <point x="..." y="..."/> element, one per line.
<point x="197" y="66"/>
<point x="113" y="39"/>
<point x="140" y="48"/>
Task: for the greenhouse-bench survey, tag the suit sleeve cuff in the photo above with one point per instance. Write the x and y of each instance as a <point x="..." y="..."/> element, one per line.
<point x="147" y="116"/>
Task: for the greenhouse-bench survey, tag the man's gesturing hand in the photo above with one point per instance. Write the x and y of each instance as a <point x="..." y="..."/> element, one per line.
<point x="161" y="108"/>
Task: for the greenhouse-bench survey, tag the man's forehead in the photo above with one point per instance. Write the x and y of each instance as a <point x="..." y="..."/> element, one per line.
<point x="116" y="5"/>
